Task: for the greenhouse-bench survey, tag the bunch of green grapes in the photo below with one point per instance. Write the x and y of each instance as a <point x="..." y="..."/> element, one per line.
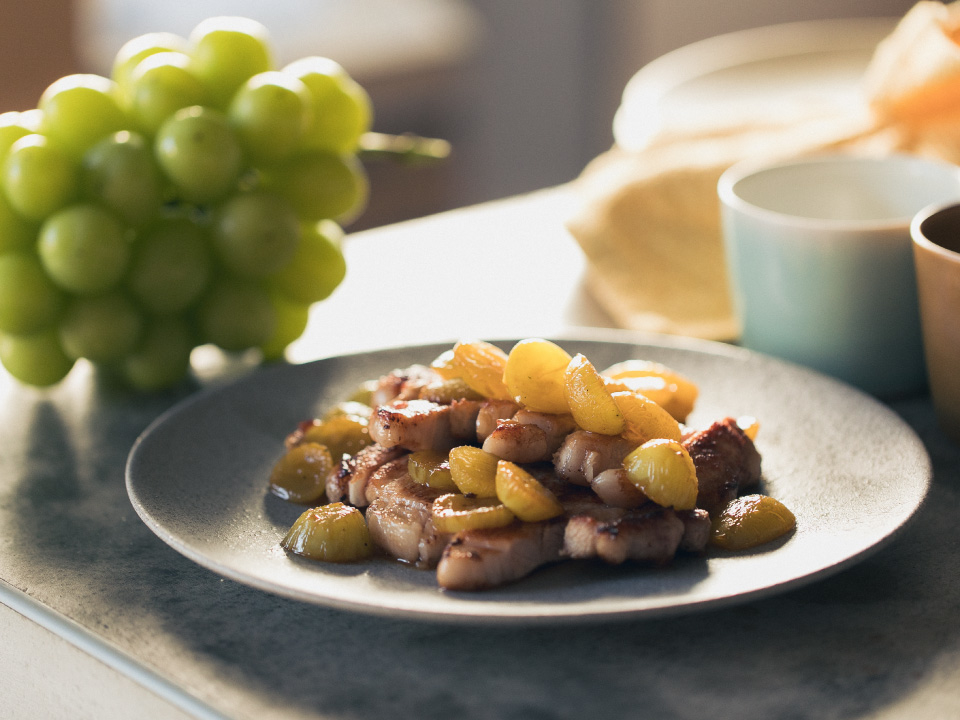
<point x="196" y="196"/>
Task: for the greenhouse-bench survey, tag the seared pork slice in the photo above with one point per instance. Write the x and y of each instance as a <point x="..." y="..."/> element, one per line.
<point x="574" y="499"/>
<point x="402" y="384"/>
<point x="696" y="530"/>
<point x="463" y="419"/>
<point x="726" y="460"/>
<point x="386" y="474"/>
<point x="517" y="442"/>
<point x="615" y="489"/>
<point x="491" y="412"/>
<point x="400" y="520"/>
<point x="555" y="426"/>
<point x="529" y="436"/>
<point x="490" y="557"/>
<point x="413" y="425"/>
<point x="431" y="545"/>
<point x="348" y="481"/>
<point x="650" y="534"/>
<point x="583" y="455"/>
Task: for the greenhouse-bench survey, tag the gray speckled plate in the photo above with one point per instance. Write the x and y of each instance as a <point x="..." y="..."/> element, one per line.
<point x="850" y="469"/>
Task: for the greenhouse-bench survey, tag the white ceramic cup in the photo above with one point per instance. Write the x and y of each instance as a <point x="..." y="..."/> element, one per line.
<point x="821" y="266"/>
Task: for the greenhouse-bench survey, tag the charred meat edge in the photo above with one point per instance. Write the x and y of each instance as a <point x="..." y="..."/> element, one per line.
<point x="486" y="558"/>
<point x="726" y="460"/>
<point x="348" y="481"/>
<point x="400" y="517"/>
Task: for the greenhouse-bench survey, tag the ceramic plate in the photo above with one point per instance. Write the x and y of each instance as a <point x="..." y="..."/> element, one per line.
<point x="772" y="72"/>
<point x="850" y="469"/>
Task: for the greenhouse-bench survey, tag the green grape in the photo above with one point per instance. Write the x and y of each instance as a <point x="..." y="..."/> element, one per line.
<point x="11" y="130"/>
<point x="39" y="178"/>
<point x="170" y="267"/>
<point x="36" y="359"/>
<point x="140" y="47"/>
<point x="28" y="300"/>
<point x="15" y="232"/>
<point x="159" y="86"/>
<point x="80" y="109"/>
<point x="84" y="248"/>
<point x="226" y="51"/>
<point x="162" y="358"/>
<point x="316" y="269"/>
<point x="236" y="315"/>
<point x="120" y="172"/>
<point x="321" y="186"/>
<point x="32" y="119"/>
<point x="255" y="233"/>
<point x="270" y="113"/>
<point x="102" y="329"/>
<point x="342" y="110"/>
<point x="291" y="322"/>
<point x="199" y="153"/>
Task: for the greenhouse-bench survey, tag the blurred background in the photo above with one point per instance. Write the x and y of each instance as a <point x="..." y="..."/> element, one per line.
<point x="525" y="91"/>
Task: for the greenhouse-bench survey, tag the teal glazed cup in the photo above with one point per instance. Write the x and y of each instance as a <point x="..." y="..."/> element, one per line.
<point x="820" y="261"/>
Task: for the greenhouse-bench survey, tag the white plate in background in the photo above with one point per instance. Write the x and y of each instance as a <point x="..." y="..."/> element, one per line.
<point x="753" y="75"/>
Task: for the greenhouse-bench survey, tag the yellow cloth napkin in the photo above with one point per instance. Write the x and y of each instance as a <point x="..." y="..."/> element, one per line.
<point x="648" y="220"/>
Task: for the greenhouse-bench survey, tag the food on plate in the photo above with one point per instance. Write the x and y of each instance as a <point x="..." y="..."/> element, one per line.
<point x="333" y="533"/>
<point x="487" y="465"/>
<point x="301" y="474"/>
<point x="751" y="520"/>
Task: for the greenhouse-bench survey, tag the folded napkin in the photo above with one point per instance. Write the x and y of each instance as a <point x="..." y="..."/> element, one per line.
<point x="648" y="218"/>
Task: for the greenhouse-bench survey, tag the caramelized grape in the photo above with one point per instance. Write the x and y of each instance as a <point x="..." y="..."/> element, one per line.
<point x="300" y="475"/>
<point x="749" y="521"/>
<point x="454" y="512"/>
<point x="332" y="533"/>
<point x="664" y="471"/>
<point x="590" y="403"/>
<point x="526" y="497"/>
<point x="644" y="419"/>
<point x="431" y="468"/>
<point x="535" y="375"/>
<point x="474" y="471"/>
<point x="481" y="365"/>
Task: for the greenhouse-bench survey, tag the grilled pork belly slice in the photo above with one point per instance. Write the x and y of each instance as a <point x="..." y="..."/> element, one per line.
<point x="400" y="520"/>
<point x="402" y="384"/>
<point x="528" y="436"/>
<point x="463" y="419"/>
<point x="486" y="558"/>
<point x="491" y="412"/>
<point x="517" y="442"/>
<point x="348" y="481"/>
<point x="384" y="475"/>
<point x="696" y="530"/>
<point x="413" y="425"/>
<point x="583" y="455"/>
<point x="555" y="427"/>
<point x="650" y="534"/>
<point x="615" y="489"/>
<point x="726" y="460"/>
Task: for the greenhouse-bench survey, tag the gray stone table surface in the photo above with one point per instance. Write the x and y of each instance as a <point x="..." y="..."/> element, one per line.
<point x="879" y="640"/>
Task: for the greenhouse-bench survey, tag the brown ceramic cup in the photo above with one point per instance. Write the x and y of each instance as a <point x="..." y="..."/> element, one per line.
<point x="936" y="247"/>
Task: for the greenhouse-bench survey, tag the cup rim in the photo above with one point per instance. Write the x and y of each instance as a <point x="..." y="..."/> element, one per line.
<point x="919" y="238"/>
<point x="746" y="168"/>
